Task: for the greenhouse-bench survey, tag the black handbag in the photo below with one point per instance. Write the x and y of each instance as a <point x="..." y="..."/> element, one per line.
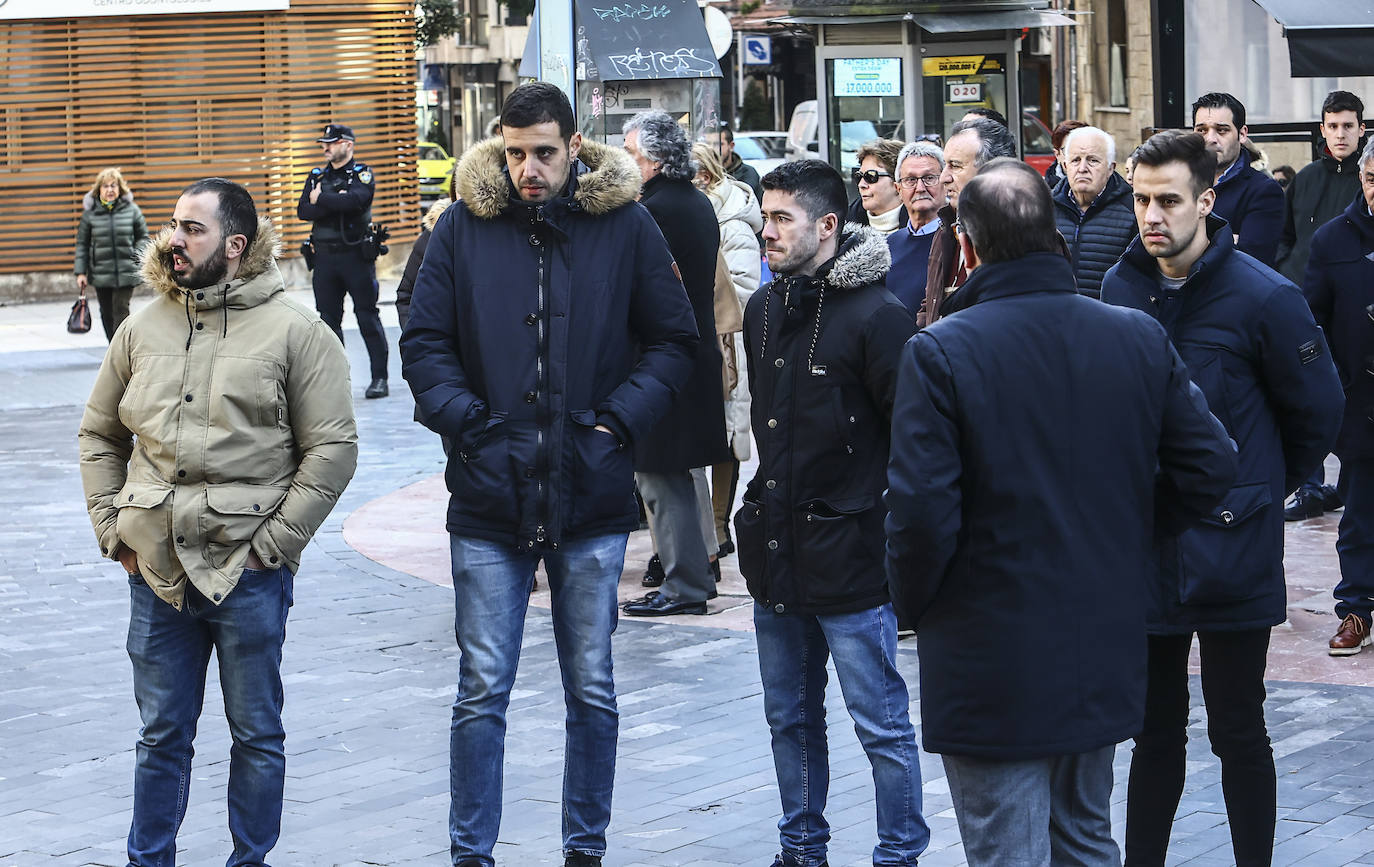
<point x="79" y="320"/>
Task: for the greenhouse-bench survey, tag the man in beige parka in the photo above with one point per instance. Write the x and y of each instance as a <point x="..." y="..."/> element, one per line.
<point x="216" y="440"/>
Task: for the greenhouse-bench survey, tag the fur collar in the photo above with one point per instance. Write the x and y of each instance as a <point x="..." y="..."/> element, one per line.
<point x="257" y="260"/>
<point x="607" y="178"/>
<point x="90" y="202"/>
<point x="435" y="211"/>
<point x="864" y="258"/>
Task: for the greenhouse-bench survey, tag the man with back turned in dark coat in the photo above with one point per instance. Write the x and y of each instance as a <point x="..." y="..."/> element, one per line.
<point x="338" y="199"/>
<point x="1029" y="608"/>
<point x="692" y="434"/>
<point x="1252" y="347"/>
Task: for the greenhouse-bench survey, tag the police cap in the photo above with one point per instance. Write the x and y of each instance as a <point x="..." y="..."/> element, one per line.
<point x="335" y="131"/>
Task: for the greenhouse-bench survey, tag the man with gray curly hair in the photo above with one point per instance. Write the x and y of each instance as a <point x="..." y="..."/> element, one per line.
<point x="919" y="166"/>
<point x="670" y="462"/>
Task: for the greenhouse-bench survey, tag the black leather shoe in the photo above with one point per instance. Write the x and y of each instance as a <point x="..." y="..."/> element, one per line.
<point x="658" y="605"/>
<point x="653" y="575"/>
<point x="786" y="861"/>
<point x="715" y="569"/>
<point x="726" y="548"/>
<point x="377" y="389"/>
<point x="581" y="859"/>
<point x="1306" y="504"/>
<point x="1331" y="501"/>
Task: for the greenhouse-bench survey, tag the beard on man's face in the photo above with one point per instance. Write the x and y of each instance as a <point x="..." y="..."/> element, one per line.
<point x="207" y="273"/>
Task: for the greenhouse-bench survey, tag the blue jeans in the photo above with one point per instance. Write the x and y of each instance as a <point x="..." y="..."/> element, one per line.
<point x="491" y="584"/>
<point x="170" y="650"/>
<point x="792" y="654"/>
<point x="1035" y="812"/>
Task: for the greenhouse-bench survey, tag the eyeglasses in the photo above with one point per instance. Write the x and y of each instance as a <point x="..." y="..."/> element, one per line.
<point x="871" y="176"/>
<point x="927" y="181"/>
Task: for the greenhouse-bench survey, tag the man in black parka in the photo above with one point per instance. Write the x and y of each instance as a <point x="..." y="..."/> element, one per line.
<point x="822" y="342"/>
<point x="692" y="435"/>
<point x="1025" y="491"/>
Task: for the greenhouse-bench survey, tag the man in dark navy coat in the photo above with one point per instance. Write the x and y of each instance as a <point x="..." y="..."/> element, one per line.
<point x="548" y="332"/>
<point x="1339" y="286"/>
<point x="1252" y="347"/>
<point x="1251" y="201"/>
<point x="1025" y="490"/>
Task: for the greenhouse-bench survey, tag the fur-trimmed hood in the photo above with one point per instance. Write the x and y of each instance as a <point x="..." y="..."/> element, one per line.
<point x="864" y="258"/>
<point x="90" y="202"/>
<point x="435" y="211"/>
<point x="259" y="260"/>
<point x="606" y="178"/>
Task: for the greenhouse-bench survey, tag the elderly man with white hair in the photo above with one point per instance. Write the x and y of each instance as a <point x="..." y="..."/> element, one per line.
<point x="1093" y="208"/>
<point x="919" y="166"/>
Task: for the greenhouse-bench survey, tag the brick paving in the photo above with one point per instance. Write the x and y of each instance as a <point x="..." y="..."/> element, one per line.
<point x="370" y="669"/>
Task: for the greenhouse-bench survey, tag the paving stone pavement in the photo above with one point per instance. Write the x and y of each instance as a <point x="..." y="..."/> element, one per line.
<point x="370" y="669"/>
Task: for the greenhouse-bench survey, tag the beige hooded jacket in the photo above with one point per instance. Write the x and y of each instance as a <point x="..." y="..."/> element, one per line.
<point x="222" y="418"/>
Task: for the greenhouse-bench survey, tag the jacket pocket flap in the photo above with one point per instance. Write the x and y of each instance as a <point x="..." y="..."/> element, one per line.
<point x="584" y="417"/>
<point x="1240" y="503"/>
<point x="836" y="506"/>
<point x="244" y="499"/>
<point x="140" y="495"/>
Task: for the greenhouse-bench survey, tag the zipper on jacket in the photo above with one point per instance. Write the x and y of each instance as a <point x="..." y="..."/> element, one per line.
<point x="114" y="247"/>
<point x="541" y="337"/>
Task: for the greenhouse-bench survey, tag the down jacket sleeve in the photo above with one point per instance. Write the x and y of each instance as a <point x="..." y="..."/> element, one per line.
<point x="106" y="444"/>
<point x="1197" y="460"/>
<point x="924" y="498"/>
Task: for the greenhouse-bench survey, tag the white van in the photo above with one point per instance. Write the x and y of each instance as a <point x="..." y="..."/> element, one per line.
<point x="803" y="143"/>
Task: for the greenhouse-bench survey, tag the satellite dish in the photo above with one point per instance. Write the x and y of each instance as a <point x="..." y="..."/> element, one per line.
<point x="718" y="30"/>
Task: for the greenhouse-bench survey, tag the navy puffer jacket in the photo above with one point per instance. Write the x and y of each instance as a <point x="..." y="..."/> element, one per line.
<point x="1252" y="202"/>
<point x="1098" y="236"/>
<point x="1251" y="345"/>
<point x="529" y="326"/>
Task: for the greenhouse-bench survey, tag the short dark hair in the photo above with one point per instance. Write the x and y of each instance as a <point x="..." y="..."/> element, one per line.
<point x="236" y="213"/>
<point x="538" y="102"/>
<point x="1342" y="100"/>
<point x="1189" y="148"/>
<point x="1217" y="99"/>
<point x="994" y="139"/>
<point x="726" y="133"/>
<point x="991" y="114"/>
<point x="1007" y="212"/>
<point x="816" y="185"/>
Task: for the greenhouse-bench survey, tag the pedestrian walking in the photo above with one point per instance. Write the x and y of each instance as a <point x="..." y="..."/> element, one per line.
<point x="548" y="332"/>
<point x="822" y="342"/>
<point x="217" y="438"/>
<point x="1092" y="207"/>
<point x="972" y="144"/>
<point x="740" y="220"/>
<point x="109" y="238"/>
<point x="1249" y="340"/>
<point x="1250" y="201"/>
<point x="670" y="461"/>
<point x="337" y="199"/>
<point x="735" y="166"/>
<point x="1339" y="285"/>
<point x="1000" y="436"/>
<point x="919" y="166"/>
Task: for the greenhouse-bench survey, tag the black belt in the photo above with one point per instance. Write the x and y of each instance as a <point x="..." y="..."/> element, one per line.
<point x="335" y="246"/>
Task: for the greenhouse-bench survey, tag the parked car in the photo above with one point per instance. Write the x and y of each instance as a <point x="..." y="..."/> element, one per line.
<point x="433" y="167"/>
<point x="1036" y="147"/>
<point x="763" y="151"/>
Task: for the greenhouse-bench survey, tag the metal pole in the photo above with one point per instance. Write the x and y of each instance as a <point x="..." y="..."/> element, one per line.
<point x="556" y="35"/>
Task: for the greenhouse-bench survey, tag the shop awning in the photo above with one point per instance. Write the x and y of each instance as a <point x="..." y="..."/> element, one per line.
<point x="1326" y="38"/>
<point x="623" y="41"/>
<point x="944" y="22"/>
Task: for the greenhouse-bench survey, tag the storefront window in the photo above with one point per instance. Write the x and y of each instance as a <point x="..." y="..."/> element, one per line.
<point x="954" y="84"/>
<point x="865" y="103"/>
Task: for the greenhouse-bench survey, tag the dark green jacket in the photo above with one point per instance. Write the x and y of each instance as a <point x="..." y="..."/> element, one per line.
<point x="108" y="241"/>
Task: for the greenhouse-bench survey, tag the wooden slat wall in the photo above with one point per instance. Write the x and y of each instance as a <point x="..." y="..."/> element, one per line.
<point x="174" y="98"/>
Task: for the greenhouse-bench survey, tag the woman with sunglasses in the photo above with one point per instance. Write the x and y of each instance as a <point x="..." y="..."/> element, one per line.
<point x="878" y="204"/>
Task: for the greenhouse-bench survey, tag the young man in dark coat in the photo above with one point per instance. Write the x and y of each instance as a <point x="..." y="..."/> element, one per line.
<point x="1252" y="347"/>
<point x="822" y="342"/>
<point x="691" y="435"/>
<point x="1246" y="198"/>
<point x="1028" y="605"/>
<point x="1339" y="286"/>
<point x="1092" y="207"/>
<point x="548" y="332"/>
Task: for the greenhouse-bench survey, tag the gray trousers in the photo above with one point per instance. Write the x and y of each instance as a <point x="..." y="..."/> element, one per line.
<point x="675" y="514"/>
<point x="1035" y="813"/>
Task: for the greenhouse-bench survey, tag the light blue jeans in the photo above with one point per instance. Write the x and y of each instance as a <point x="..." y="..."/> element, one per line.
<point x="792" y="655"/>
<point x="491" y="585"/>
<point x="170" y="651"/>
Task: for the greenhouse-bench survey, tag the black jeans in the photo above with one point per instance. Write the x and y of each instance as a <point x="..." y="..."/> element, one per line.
<point x="1233" y="691"/>
<point x="349" y="272"/>
<point x="1355" y="540"/>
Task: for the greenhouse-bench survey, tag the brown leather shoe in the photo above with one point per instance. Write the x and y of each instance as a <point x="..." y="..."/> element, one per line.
<point x="1351" y="638"/>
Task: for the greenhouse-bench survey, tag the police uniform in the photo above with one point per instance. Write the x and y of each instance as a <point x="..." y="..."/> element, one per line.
<point x="341" y="216"/>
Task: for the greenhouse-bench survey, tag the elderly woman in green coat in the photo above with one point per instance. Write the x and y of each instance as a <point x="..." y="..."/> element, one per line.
<point x="111" y="233"/>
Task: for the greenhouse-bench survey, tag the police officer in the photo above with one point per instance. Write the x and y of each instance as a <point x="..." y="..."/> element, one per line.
<point x="338" y="199"/>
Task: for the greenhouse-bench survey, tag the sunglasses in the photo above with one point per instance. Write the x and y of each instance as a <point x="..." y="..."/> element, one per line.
<point x="871" y="176"/>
